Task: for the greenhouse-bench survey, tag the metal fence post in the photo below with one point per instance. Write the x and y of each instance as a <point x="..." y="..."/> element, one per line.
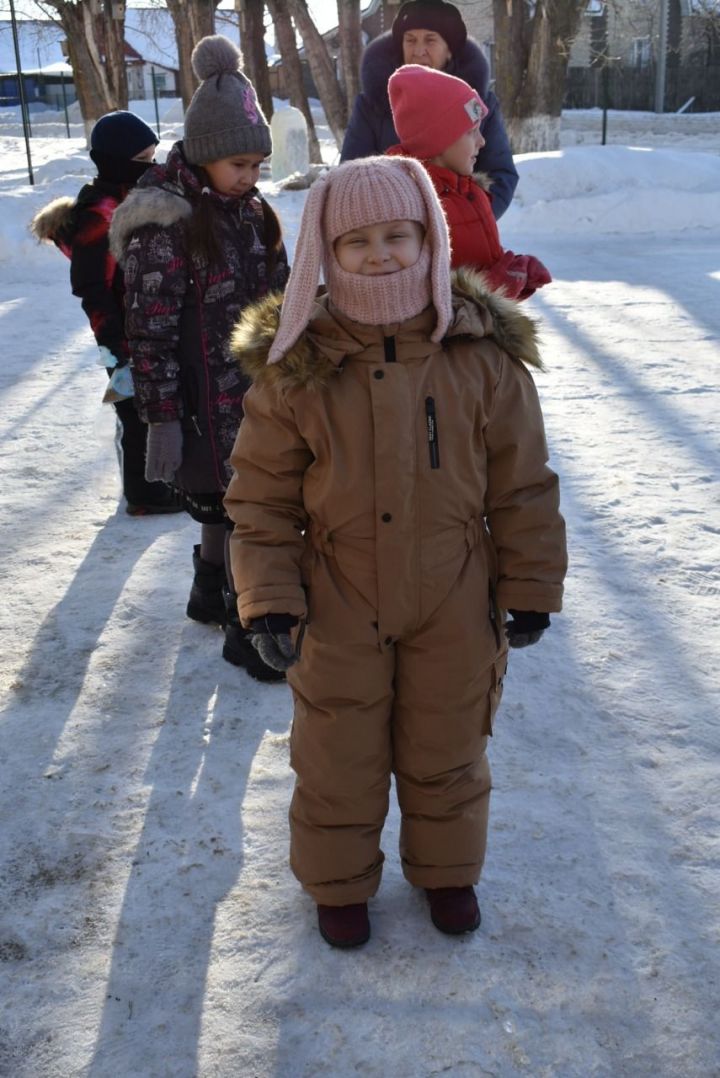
<point x="157" y="113"/>
<point x="23" y="103"/>
<point x="65" y="103"/>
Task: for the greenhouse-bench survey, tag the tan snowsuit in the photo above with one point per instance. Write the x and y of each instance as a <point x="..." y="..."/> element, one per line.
<point x="400" y="563"/>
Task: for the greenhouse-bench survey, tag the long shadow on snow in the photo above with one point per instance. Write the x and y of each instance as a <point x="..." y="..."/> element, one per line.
<point x="645" y="261"/>
<point x="657" y="408"/>
<point x="188" y="857"/>
<point x="49" y="683"/>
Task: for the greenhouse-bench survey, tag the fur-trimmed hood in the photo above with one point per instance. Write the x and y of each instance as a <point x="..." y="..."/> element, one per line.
<point x="53" y="220"/>
<point x="59" y="221"/>
<point x="478" y="312"/>
<point x="154" y="206"/>
<point x="381" y="58"/>
<point x="165" y="195"/>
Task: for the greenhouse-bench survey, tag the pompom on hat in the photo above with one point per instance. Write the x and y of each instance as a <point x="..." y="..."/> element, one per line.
<point x="431" y="110"/>
<point x="224" y="117"/>
<point x="443" y="18"/>
<point x="357" y="194"/>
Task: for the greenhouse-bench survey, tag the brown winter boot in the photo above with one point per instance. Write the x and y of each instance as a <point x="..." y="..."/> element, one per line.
<point x="454" y="909"/>
<point x="344" y="926"/>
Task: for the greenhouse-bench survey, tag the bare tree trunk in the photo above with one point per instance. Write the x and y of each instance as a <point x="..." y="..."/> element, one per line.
<point x="192" y="19"/>
<point x="252" y="43"/>
<point x="323" y="70"/>
<point x="91" y="84"/>
<point x="292" y="71"/>
<point x="350" y="32"/>
<point x="113" y="31"/>
<point x="531" y="53"/>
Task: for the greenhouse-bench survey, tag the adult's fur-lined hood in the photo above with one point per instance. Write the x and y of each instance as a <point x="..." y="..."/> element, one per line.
<point x="478" y="312"/>
<point x="145" y="206"/>
<point x="53" y="220"/>
<point x="381" y="57"/>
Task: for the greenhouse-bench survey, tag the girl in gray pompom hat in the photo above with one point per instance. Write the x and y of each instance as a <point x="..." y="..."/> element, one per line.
<point x="198" y="243"/>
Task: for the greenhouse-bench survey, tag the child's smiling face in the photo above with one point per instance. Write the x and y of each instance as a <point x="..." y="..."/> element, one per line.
<point x="380" y="249"/>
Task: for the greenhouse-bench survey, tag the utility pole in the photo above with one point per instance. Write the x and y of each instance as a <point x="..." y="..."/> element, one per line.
<point x="661" y="62"/>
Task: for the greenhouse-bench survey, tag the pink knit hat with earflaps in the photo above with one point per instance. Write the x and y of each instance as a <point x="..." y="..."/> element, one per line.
<point x="360" y="193"/>
<point x="431" y="109"/>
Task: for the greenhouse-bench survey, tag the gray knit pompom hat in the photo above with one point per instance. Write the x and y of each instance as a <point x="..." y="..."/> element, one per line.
<point x="224" y="117"/>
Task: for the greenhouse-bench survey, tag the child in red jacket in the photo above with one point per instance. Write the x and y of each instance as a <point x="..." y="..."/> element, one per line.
<point x="122" y="148"/>
<point x="438" y="117"/>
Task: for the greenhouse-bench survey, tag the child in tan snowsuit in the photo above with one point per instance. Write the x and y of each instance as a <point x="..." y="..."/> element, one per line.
<point x="391" y="497"/>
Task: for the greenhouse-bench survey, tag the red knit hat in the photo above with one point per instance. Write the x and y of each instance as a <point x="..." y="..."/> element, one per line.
<point x="431" y="110"/>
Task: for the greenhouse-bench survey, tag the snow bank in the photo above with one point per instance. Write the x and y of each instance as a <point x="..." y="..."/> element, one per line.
<point x="615" y="189"/>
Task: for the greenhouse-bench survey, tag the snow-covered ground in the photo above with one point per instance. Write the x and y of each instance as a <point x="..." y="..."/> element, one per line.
<point x="149" y="925"/>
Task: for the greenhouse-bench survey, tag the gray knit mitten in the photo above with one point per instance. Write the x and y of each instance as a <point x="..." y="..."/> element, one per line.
<point x="270" y="636"/>
<point x="163" y="455"/>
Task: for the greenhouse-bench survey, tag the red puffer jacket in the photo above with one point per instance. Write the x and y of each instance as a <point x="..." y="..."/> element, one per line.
<point x="474" y="236"/>
<point x="473" y="232"/>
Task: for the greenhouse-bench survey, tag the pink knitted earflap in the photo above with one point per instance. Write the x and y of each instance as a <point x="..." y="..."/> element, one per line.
<point x="305" y="274"/>
<point x="437" y="232"/>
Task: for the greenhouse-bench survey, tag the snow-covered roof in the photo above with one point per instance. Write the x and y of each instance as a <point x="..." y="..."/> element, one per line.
<point x="149" y="31"/>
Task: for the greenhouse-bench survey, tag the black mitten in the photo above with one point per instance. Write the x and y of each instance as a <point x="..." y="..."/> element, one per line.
<point x="270" y="636"/>
<point x="526" y="627"/>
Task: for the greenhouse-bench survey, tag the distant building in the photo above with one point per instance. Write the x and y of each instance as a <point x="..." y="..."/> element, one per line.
<point x="150" y="57"/>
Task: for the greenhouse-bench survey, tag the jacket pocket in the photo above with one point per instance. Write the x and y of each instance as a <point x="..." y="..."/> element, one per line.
<point x="497" y="677"/>
<point x="191" y="401"/>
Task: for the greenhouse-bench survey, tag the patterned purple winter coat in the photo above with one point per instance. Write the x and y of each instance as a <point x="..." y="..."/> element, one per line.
<point x="180" y="310"/>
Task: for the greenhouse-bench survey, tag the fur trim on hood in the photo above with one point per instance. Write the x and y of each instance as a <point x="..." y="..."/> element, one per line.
<point x="478" y="312"/>
<point x="145" y="206"/>
<point x="381" y="58"/>
<point x="52" y="219"/>
<point x="483" y="180"/>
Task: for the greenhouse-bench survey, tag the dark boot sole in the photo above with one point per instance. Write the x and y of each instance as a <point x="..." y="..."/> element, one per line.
<point x="344" y="945"/>
<point x="456" y="931"/>
<point x="197" y="612"/>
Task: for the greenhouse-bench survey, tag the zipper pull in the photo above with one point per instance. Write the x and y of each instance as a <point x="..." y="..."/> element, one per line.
<point x="432" y="432"/>
<point x="196" y="425"/>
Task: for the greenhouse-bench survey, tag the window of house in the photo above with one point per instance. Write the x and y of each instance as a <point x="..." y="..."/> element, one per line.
<point x="641" y="54"/>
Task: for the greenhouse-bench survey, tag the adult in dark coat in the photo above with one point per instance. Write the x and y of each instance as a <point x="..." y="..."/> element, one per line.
<point x="371" y="129"/>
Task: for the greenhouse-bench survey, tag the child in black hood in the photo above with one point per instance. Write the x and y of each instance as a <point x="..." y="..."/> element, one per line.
<point x="122" y="147"/>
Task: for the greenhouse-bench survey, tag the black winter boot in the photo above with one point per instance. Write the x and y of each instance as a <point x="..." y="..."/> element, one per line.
<point x="206" y="603"/>
<point x="237" y="648"/>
